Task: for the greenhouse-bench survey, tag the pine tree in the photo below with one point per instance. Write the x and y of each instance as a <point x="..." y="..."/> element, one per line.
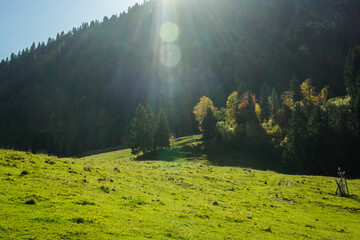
<point x="274" y="104"/>
<point x="162" y="134"/>
<point x="352" y="72"/>
<point x="294" y="143"/>
<point x="294" y="86"/>
<point x="208" y="125"/>
<point x="247" y="109"/>
<point x="264" y="101"/>
<point x="142" y="130"/>
<point x="352" y="84"/>
<point x="242" y="88"/>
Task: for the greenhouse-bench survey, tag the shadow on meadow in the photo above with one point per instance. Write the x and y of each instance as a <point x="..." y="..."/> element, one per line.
<point x="215" y="154"/>
<point x="222" y="155"/>
<point x="100" y="151"/>
<point x="166" y="155"/>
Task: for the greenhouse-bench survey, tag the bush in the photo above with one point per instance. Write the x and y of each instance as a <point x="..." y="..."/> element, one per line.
<point x="224" y="132"/>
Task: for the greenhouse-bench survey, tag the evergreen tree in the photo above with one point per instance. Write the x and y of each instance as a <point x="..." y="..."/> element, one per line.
<point x="352" y="83"/>
<point x="208" y="125"/>
<point x="242" y="88"/>
<point x="32" y="48"/>
<point x="142" y="130"/>
<point x="352" y="72"/>
<point x="246" y="109"/>
<point x="274" y="104"/>
<point x="317" y="135"/>
<point x="294" y="152"/>
<point x="264" y="101"/>
<point x="162" y="134"/>
<point x="294" y="86"/>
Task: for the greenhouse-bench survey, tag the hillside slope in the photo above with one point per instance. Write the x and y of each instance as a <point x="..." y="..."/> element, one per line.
<point x="111" y="196"/>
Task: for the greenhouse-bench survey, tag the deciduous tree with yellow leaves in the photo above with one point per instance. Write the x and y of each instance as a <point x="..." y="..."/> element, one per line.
<point x="201" y="107"/>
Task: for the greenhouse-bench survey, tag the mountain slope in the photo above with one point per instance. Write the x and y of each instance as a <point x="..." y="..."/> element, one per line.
<point x="77" y="92"/>
<point x="111" y="196"/>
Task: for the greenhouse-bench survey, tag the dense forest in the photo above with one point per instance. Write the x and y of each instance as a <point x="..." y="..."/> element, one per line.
<point x="301" y="129"/>
<point x="79" y="91"/>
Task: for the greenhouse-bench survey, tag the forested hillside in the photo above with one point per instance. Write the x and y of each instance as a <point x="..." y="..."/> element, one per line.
<point x="78" y="91"/>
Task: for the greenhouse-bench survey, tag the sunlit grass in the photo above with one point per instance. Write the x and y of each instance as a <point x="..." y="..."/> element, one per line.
<point x="112" y="196"/>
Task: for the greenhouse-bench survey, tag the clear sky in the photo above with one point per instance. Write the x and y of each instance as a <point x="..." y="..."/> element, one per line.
<point x="23" y="22"/>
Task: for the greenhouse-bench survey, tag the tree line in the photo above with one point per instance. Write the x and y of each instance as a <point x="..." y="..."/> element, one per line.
<point x="301" y="128"/>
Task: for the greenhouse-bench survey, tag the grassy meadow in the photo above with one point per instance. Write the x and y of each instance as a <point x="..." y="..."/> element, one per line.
<point x="179" y="195"/>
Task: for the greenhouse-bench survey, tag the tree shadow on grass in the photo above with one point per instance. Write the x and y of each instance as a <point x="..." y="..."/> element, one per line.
<point x="225" y="155"/>
<point x="166" y="155"/>
<point x="216" y="154"/>
<point x="100" y="151"/>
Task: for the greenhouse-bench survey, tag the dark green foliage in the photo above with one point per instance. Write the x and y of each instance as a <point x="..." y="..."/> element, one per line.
<point x="294" y="86"/>
<point x="148" y="134"/>
<point x="246" y="109"/>
<point x="264" y="101"/>
<point x="208" y="125"/>
<point x="251" y="137"/>
<point x="320" y="139"/>
<point x="274" y="104"/>
<point x="352" y="72"/>
<point x="142" y="130"/>
<point x="352" y="83"/>
<point x="162" y="134"/>
<point x="294" y="149"/>
<point x="242" y="88"/>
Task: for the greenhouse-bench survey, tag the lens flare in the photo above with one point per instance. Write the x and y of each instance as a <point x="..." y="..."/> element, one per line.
<point x="169" y="32"/>
<point x="170" y="55"/>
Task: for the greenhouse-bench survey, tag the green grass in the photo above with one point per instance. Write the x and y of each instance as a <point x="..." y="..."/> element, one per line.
<point x="112" y="196"/>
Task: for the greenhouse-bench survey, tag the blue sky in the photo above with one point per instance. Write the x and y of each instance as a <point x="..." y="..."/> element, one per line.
<point x="23" y="22"/>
